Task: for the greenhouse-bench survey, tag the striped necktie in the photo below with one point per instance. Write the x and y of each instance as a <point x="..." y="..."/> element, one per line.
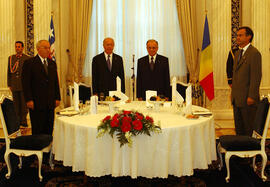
<point x="152" y="64"/>
<point x="109" y="63"/>
<point x="45" y="66"/>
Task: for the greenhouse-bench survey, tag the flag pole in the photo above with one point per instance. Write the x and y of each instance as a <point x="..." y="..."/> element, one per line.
<point x="205" y="10"/>
<point x="204" y="94"/>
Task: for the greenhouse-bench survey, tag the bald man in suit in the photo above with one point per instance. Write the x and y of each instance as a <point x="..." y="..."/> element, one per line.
<point x="247" y="73"/>
<point x="106" y="66"/>
<point x="41" y="89"/>
<point x="153" y="72"/>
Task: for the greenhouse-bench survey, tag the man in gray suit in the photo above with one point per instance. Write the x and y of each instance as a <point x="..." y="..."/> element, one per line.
<point x="247" y="73"/>
<point x="14" y="73"/>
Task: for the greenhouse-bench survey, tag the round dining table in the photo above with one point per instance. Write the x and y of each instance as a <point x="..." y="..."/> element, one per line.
<point x="182" y="146"/>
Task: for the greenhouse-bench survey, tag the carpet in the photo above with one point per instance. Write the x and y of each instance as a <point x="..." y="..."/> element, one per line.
<point x="242" y="174"/>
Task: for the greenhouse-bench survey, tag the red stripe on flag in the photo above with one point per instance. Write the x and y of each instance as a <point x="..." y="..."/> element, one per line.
<point x="208" y="85"/>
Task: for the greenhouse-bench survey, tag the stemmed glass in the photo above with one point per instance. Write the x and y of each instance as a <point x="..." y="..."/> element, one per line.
<point x="81" y="107"/>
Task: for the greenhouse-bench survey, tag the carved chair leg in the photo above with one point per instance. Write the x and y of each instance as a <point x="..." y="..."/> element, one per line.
<point x="7" y="160"/>
<point x="39" y="155"/>
<point x="254" y="163"/>
<point x="20" y="164"/>
<point x="227" y="161"/>
<point x="264" y="160"/>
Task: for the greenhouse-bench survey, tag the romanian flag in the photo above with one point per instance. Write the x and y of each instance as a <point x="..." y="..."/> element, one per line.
<point x="206" y="66"/>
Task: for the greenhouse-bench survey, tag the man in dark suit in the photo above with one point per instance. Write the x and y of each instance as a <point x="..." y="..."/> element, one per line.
<point x="247" y="73"/>
<point x="153" y="72"/>
<point x="105" y="68"/>
<point x="14" y="73"/>
<point x="41" y="89"/>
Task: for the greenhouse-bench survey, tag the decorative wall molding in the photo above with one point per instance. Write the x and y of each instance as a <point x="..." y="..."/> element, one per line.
<point x="29" y="27"/>
<point x="235" y="11"/>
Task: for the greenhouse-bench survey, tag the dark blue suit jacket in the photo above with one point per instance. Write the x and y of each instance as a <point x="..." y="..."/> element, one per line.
<point x="158" y="79"/>
<point x="104" y="80"/>
<point x="38" y="86"/>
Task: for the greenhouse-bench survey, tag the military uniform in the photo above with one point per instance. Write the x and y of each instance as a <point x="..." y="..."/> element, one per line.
<point x="229" y="65"/>
<point x="15" y="64"/>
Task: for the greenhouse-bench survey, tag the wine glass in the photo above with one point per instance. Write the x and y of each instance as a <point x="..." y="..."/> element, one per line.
<point x="87" y="105"/>
<point x="81" y="107"/>
<point x="101" y="96"/>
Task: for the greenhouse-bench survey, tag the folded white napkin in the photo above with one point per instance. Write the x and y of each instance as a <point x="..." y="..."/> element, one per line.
<point x="118" y="84"/>
<point x="188" y="108"/>
<point x="121" y="95"/>
<point x="173" y="84"/>
<point x="76" y="97"/>
<point x="94" y="103"/>
<point x="148" y="95"/>
<point x="176" y="97"/>
<point x="118" y="92"/>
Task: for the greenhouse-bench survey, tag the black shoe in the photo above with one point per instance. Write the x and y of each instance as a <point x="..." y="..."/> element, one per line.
<point x="24" y="125"/>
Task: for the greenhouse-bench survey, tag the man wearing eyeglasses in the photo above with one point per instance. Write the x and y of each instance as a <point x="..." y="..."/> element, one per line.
<point x="153" y="72"/>
<point x="41" y="89"/>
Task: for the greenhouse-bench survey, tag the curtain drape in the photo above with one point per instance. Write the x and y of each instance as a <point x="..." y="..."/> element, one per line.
<point x="80" y="16"/>
<point x="187" y="18"/>
<point x="42" y="19"/>
<point x="131" y="24"/>
<point x="7" y="37"/>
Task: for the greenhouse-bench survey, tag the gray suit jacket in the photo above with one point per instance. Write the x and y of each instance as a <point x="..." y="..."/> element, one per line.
<point x="247" y="76"/>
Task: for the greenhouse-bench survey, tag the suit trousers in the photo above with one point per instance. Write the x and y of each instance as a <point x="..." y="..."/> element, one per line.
<point x="42" y="121"/>
<point x="244" y="119"/>
<point x="20" y="106"/>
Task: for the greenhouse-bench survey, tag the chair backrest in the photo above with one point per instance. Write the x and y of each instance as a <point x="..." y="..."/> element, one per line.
<point x="84" y="92"/>
<point x="181" y="88"/>
<point x="9" y="119"/>
<point x="266" y="122"/>
<point x="260" y="117"/>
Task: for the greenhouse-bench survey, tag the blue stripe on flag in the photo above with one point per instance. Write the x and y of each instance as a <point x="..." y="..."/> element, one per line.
<point x="51" y="36"/>
<point x="206" y="36"/>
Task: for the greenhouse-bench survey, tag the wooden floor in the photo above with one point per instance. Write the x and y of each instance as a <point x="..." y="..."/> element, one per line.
<point x="222" y="127"/>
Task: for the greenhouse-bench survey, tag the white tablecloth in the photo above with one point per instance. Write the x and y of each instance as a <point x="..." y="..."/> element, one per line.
<point x="183" y="145"/>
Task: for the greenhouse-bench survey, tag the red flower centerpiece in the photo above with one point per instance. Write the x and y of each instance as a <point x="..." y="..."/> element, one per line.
<point x="126" y="124"/>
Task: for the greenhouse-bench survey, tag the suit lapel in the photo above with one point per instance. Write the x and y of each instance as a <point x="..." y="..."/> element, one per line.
<point x="113" y="62"/>
<point x="157" y="62"/>
<point x="147" y="64"/>
<point x="40" y="64"/>
<point x="243" y="59"/>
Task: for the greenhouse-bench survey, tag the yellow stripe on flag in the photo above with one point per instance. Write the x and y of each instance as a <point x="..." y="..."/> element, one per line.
<point x="206" y="66"/>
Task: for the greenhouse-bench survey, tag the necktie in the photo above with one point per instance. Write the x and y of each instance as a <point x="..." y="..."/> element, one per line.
<point x="109" y="63"/>
<point x="152" y="64"/>
<point x="45" y="66"/>
<point x="240" y="56"/>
